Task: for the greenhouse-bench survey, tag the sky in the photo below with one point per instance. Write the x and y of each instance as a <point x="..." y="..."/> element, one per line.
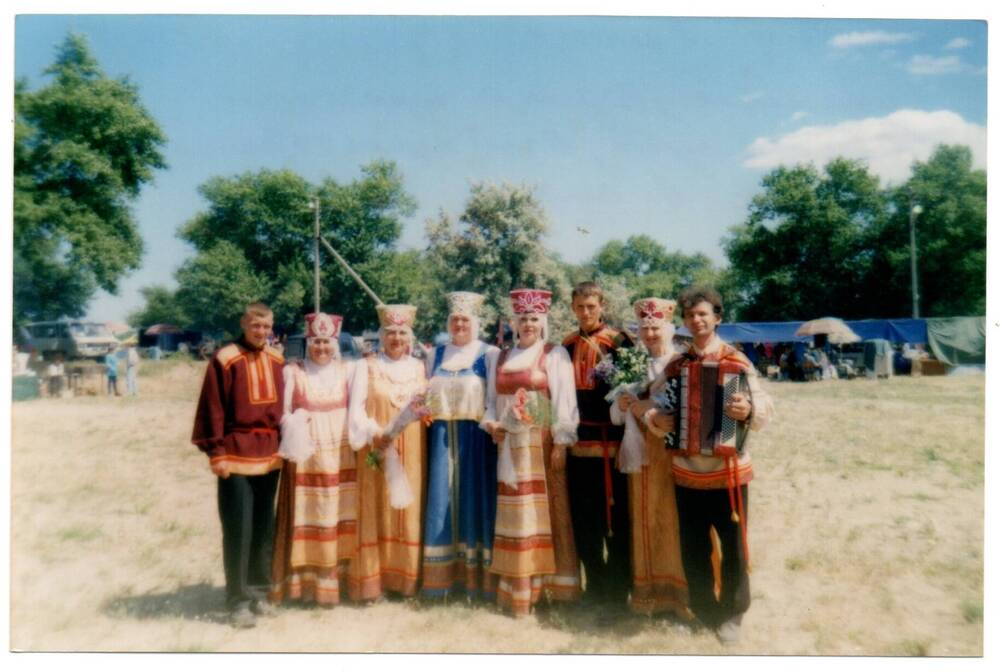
<point x="623" y="125"/>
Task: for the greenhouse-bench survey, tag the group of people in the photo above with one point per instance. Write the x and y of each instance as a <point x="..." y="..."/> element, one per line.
<point x="487" y="475"/>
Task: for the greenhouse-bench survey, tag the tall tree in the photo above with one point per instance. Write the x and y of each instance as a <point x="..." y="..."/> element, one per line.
<point x="647" y="268"/>
<point x="950" y="235"/>
<point x="803" y="251"/>
<point x="497" y="246"/>
<point x="267" y="218"/>
<point x="161" y="307"/>
<point x="216" y="285"/>
<point x="84" y="146"/>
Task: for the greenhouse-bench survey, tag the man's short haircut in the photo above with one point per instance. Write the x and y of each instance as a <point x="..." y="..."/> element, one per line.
<point x="692" y="296"/>
<point x="587" y="289"/>
<point x="257" y="309"/>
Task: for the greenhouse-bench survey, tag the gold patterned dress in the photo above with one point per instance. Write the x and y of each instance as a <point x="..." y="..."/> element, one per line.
<point x="389" y="541"/>
<point x="658" y="583"/>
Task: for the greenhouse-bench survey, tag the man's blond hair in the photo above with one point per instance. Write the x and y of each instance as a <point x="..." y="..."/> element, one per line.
<point x="256" y="309"/>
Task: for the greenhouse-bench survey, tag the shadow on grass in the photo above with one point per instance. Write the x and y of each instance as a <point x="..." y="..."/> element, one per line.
<point x="198" y="602"/>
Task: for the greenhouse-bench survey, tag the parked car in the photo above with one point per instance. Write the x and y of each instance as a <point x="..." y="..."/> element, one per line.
<point x="73" y="339"/>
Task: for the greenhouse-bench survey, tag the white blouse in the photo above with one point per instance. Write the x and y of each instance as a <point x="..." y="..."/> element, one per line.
<point x="561" y="383"/>
<point x="325" y="379"/>
<point x="460" y="397"/>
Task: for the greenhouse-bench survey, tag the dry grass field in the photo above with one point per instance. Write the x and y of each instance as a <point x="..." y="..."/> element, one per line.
<point x="866" y="533"/>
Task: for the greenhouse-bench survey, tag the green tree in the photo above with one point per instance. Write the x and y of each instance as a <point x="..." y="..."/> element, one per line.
<point x="497" y="246"/>
<point x="646" y="268"/>
<point x="803" y="251"/>
<point x="951" y="240"/>
<point x="84" y="147"/>
<point x="267" y="218"/>
<point x="215" y="286"/>
<point x="161" y="307"/>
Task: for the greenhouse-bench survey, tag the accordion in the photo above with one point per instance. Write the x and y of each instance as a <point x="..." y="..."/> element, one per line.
<point x="699" y="396"/>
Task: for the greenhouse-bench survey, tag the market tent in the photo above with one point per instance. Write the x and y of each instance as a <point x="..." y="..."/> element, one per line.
<point x="757" y="332"/>
<point x="894" y="331"/>
<point x="957" y="340"/>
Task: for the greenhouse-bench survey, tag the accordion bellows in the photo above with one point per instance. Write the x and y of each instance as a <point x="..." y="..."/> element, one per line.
<point x="699" y="394"/>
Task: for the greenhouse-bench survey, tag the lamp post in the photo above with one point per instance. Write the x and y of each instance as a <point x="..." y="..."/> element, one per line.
<point x="914" y="211"/>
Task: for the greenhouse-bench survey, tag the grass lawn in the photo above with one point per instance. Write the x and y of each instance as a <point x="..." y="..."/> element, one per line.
<point x="866" y="535"/>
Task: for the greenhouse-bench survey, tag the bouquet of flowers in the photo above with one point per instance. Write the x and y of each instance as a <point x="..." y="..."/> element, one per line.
<point x="400" y="493"/>
<point x="625" y="372"/>
<point x="529" y="409"/>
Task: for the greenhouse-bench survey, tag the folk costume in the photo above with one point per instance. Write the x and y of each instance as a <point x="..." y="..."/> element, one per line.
<point x="533" y="548"/>
<point x="236" y="425"/>
<point x="317" y="504"/>
<point x="712" y="493"/>
<point x="598" y="492"/>
<point x="388" y="553"/>
<point x="658" y="583"/>
<point x="462" y="466"/>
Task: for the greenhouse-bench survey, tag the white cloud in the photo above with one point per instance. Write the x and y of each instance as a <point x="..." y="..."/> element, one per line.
<point x="958" y="43"/>
<point x="934" y="65"/>
<point x="800" y="115"/>
<point x="849" y="40"/>
<point x="750" y="97"/>
<point x="888" y="144"/>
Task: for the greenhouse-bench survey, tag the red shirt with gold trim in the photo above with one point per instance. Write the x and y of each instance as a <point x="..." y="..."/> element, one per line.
<point x="703" y="472"/>
<point x="239" y="410"/>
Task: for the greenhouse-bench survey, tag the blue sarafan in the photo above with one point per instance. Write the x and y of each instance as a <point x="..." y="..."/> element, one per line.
<point x="461" y="484"/>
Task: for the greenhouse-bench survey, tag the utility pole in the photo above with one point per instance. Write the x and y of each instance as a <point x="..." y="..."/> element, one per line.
<point x="315" y="207"/>
<point x="914" y="211"/>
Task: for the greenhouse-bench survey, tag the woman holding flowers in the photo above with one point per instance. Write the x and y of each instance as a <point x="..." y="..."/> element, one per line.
<point x="316" y="520"/>
<point x="390" y="465"/>
<point x="461" y="461"/>
<point x="532" y="415"/>
<point x="658" y="584"/>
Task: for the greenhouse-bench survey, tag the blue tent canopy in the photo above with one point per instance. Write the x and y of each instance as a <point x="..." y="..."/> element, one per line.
<point x="895" y="331"/>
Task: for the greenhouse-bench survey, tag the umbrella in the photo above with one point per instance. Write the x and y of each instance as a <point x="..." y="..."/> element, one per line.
<point x="835" y="329"/>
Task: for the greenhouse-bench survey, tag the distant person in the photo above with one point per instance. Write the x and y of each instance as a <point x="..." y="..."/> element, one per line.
<point x="236" y="425"/>
<point x="132" y="370"/>
<point x="56" y="373"/>
<point x="111" y="369"/>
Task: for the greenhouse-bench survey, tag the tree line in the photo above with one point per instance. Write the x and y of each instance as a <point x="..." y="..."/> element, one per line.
<point x="815" y="242"/>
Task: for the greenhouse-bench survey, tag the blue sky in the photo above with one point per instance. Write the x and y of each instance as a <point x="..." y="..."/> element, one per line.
<point x="661" y="126"/>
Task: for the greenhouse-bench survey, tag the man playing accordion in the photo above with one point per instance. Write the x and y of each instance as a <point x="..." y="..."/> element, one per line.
<point x="717" y="398"/>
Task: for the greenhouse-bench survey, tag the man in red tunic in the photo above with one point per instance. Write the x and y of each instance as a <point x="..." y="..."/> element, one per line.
<point x="236" y="425"/>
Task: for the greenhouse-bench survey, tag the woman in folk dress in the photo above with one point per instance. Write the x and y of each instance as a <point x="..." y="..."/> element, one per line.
<point x="316" y="519"/>
<point x="533" y="548"/>
<point x="658" y="584"/>
<point x="462" y="462"/>
<point x="388" y="552"/>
